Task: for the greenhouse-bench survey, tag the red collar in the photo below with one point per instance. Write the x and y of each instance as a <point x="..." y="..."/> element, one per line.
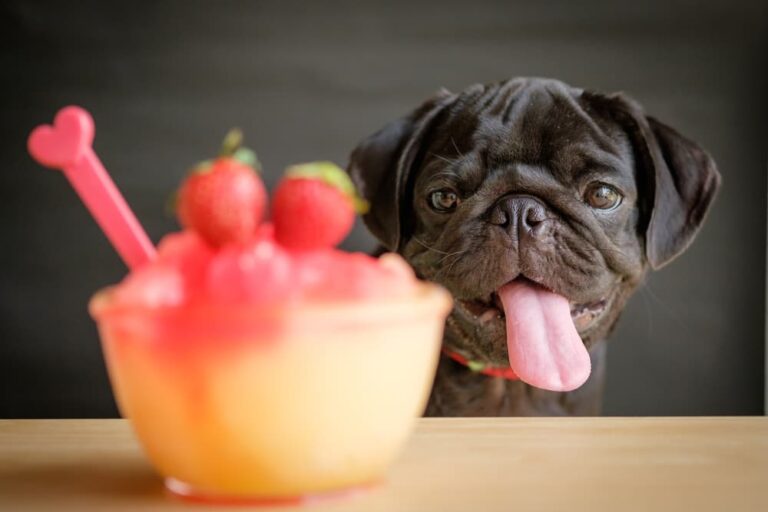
<point x="476" y="366"/>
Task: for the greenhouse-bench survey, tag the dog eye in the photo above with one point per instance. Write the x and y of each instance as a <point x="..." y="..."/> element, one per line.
<point x="602" y="196"/>
<point x="444" y="200"/>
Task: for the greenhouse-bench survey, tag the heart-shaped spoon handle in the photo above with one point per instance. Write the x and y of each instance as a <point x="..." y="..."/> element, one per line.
<point x="67" y="146"/>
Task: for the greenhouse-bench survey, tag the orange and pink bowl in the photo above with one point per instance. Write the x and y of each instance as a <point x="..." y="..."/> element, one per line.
<point x="272" y="403"/>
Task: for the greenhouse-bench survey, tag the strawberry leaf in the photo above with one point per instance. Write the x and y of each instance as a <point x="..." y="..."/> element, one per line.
<point x="333" y="175"/>
<point x="172" y="204"/>
<point x="201" y="167"/>
<point x="247" y="157"/>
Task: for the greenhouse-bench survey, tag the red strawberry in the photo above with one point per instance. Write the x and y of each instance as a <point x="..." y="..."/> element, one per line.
<point x="314" y="206"/>
<point x="224" y="200"/>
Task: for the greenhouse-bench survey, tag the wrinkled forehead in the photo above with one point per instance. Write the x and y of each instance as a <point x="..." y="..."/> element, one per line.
<point x="543" y="125"/>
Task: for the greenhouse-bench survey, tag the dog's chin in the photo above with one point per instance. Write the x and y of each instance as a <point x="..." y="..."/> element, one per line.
<point x="484" y="319"/>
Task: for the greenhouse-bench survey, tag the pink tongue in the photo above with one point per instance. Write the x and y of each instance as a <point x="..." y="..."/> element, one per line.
<point x="544" y="348"/>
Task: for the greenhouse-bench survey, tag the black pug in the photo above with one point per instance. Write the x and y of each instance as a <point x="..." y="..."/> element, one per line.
<point x="540" y="207"/>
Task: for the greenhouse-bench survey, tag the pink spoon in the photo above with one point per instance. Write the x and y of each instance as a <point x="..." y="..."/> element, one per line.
<point x="67" y="146"/>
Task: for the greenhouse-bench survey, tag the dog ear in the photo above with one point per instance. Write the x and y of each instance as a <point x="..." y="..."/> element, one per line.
<point x="687" y="181"/>
<point x="381" y="165"/>
<point x="678" y="177"/>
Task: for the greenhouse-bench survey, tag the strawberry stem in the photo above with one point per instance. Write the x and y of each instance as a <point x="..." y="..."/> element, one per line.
<point x="232" y="141"/>
<point x="231" y="147"/>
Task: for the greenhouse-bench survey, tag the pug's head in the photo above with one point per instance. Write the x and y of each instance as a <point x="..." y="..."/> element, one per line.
<point x="539" y="207"/>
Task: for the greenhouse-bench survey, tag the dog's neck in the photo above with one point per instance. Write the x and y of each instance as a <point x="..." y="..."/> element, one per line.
<point x="459" y="391"/>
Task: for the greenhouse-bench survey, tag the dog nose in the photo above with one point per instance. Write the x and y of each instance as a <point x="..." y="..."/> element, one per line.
<point x="522" y="213"/>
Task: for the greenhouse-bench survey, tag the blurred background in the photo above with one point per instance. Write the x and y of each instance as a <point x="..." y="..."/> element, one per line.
<point x="306" y="81"/>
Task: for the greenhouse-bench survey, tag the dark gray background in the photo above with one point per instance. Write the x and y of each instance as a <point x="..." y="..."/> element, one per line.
<point x="306" y="81"/>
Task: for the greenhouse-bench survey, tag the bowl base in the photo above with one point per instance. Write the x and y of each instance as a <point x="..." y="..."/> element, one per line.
<point x="187" y="492"/>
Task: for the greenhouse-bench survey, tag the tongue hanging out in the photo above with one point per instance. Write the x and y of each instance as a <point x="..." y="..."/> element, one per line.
<point x="544" y="348"/>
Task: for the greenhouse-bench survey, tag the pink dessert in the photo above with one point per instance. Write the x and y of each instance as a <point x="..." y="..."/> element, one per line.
<point x="256" y="361"/>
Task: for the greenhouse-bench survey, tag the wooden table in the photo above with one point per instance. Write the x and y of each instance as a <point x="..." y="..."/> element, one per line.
<point x="515" y="464"/>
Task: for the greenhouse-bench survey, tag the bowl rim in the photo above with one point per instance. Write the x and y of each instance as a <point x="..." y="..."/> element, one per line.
<point x="427" y="299"/>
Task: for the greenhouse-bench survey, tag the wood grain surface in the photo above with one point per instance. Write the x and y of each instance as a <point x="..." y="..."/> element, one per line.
<point x="515" y="464"/>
